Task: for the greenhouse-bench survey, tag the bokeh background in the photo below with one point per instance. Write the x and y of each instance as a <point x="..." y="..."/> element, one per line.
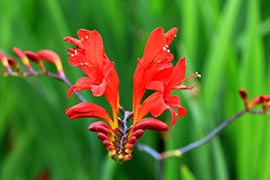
<point x="227" y="41"/>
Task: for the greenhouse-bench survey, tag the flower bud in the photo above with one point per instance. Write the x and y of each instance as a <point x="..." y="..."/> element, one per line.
<point x="35" y="58"/>
<point x="23" y="58"/>
<point x="52" y="57"/>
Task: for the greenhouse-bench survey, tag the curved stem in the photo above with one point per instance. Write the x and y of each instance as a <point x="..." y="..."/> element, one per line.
<point x="211" y="135"/>
<point x="179" y="152"/>
<point x="125" y="130"/>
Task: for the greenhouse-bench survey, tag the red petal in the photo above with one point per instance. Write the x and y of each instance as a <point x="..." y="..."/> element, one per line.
<point x="83" y="83"/>
<point x="155" y="85"/>
<point x="157" y="46"/>
<point x="178" y="73"/>
<point x="151" y="124"/>
<point x="174" y="116"/>
<point x="87" y="110"/>
<point x="99" y="90"/>
<point x="182" y="111"/>
<point x="154" y="104"/>
<point x="93" y="44"/>
<point x="158" y="107"/>
<point x="84" y="36"/>
<point x="74" y="41"/>
<point x="173" y="101"/>
<point x="77" y="58"/>
<point x="170" y="35"/>
<point x="155" y="43"/>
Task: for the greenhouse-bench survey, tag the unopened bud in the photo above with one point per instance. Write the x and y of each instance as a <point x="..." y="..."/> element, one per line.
<point x="14" y="65"/>
<point x="52" y="57"/>
<point x="34" y="58"/>
<point x="23" y="58"/>
<point x="5" y="63"/>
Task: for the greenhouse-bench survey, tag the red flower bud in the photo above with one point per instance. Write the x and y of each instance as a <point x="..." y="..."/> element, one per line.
<point x="35" y="58"/>
<point x="24" y="59"/>
<point x="52" y="57"/>
<point x="151" y="124"/>
<point x="102" y="136"/>
<point x="5" y="63"/>
<point x="138" y="133"/>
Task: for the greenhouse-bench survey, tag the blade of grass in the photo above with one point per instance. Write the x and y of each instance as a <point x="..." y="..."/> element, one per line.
<point x="215" y="61"/>
<point x="109" y="167"/>
<point x="253" y="63"/>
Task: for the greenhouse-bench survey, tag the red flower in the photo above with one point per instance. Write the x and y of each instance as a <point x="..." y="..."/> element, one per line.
<point x="154" y="72"/>
<point x="155" y="63"/>
<point x="101" y="75"/>
<point x="263" y="100"/>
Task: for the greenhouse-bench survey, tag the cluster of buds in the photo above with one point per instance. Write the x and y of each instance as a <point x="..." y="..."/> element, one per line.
<point x="263" y="100"/>
<point x="13" y="67"/>
<point x="154" y="73"/>
<point x="120" y="141"/>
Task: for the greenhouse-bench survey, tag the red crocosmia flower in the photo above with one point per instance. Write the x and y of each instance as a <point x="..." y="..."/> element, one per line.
<point x="161" y="100"/>
<point x="101" y="75"/>
<point x="263" y="100"/>
<point x="154" y="72"/>
<point x="156" y="60"/>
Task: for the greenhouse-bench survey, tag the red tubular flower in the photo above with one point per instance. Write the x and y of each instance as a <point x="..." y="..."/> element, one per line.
<point x="101" y="75"/>
<point x="154" y="72"/>
<point x="156" y="61"/>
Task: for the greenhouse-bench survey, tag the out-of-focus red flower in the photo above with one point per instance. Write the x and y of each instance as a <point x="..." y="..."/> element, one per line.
<point x="23" y="58"/>
<point x="5" y="63"/>
<point x="263" y="100"/>
<point x="35" y="58"/>
<point x="154" y="71"/>
<point x="43" y="176"/>
<point x="52" y="57"/>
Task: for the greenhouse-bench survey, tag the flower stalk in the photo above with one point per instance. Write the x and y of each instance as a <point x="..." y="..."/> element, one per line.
<point x="263" y="100"/>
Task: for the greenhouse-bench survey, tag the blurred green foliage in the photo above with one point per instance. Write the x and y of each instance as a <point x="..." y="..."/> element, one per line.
<point x="226" y="41"/>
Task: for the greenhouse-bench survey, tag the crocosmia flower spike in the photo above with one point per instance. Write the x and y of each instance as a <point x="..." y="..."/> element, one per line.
<point x="154" y="72"/>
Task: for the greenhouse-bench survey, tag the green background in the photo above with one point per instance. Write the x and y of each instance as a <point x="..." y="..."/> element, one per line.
<point x="227" y="42"/>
